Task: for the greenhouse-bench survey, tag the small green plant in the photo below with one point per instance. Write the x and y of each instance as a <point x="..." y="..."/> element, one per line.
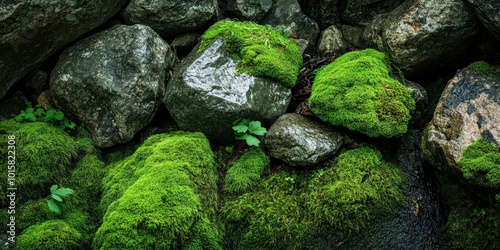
<point x="247" y="130"/>
<point x="230" y="149"/>
<point x="38" y="113"/>
<point x="56" y="198"/>
<point x="290" y="180"/>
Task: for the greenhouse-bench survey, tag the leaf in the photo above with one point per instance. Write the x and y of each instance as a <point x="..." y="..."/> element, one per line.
<point x="50" y="114"/>
<point x="31" y="117"/>
<point x="241" y="121"/>
<point x="19" y="118"/>
<point x="242" y="137"/>
<point x="260" y="131"/>
<point x="240" y="129"/>
<point x="56" y="197"/>
<point x="63" y="192"/>
<point x="29" y="110"/>
<point x="72" y="125"/>
<point x="256" y="128"/>
<point x="53" y="206"/>
<point x="252" y="141"/>
<point x="59" y="115"/>
<point x="53" y="188"/>
<point x="39" y="112"/>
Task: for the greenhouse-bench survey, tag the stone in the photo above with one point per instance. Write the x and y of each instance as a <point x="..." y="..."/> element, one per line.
<point x="422" y="35"/>
<point x="300" y="141"/>
<point x="12" y="105"/>
<point x="249" y="10"/>
<point x="170" y="17"/>
<point x="362" y="12"/>
<point x="488" y="13"/>
<point x="113" y="81"/>
<point x="331" y="41"/>
<point x="353" y="35"/>
<point x="289" y="14"/>
<point x="207" y="94"/>
<point x="325" y="12"/>
<point x="32" y="31"/>
<point x="186" y="41"/>
<point x="467" y="111"/>
<point x="36" y="84"/>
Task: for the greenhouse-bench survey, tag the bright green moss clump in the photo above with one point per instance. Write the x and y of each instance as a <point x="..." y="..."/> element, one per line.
<point x="357" y="92"/>
<point x="484" y="68"/>
<point x="161" y="197"/>
<point x="480" y="162"/>
<point x="476" y="228"/>
<point x="262" y="51"/>
<point x="245" y="172"/>
<point x="52" y="234"/>
<point x="295" y="210"/>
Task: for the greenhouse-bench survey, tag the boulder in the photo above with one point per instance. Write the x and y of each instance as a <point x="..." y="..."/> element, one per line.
<point x="207" y="94"/>
<point x="325" y="12"/>
<point x="424" y="34"/>
<point x="113" y="81"/>
<point x="331" y="41"/>
<point x="488" y="13"/>
<point x="353" y="35"/>
<point x="249" y="10"/>
<point x="300" y="141"/>
<point x="32" y="31"/>
<point x="170" y="17"/>
<point x="362" y="12"/>
<point x="467" y="111"/>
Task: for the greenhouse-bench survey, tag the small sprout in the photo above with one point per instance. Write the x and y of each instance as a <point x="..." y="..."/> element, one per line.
<point x="56" y="198"/>
<point x="248" y="131"/>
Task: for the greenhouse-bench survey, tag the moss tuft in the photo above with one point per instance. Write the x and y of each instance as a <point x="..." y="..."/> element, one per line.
<point x="484" y="68"/>
<point x="163" y="191"/>
<point x="356" y="91"/>
<point x="52" y="234"/>
<point x="475" y="228"/>
<point x="262" y="51"/>
<point x="480" y="162"/>
<point x="245" y="172"/>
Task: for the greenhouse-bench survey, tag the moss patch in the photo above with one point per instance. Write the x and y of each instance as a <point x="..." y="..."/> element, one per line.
<point x="261" y="50"/>
<point x="480" y="162"/>
<point x="166" y="190"/>
<point x="52" y="234"/>
<point x="356" y="91"/>
<point x="475" y="228"/>
<point x="292" y="210"/>
<point x="245" y="172"/>
<point x="484" y="68"/>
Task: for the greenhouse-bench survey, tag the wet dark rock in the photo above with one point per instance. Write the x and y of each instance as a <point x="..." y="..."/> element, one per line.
<point x="467" y="111"/>
<point x="353" y="35"/>
<point x="207" y="94"/>
<point x="113" y="81"/>
<point x="249" y="10"/>
<point x="301" y="141"/>
<point x="325" y="12"/>
<point x="32" y="31"/>
<point x="11" y="106"/>
<point x="362" y="12"/>
<point x="488" y="13"/>
<point x="185" y="42"/>
<point x="36" y="84"/>
<point x="424" y="35"/>
<point x="170" y="17"/>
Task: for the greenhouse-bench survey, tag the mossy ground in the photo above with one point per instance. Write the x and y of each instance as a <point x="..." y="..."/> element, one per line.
<point x="261" y="50"/>
<point x="245" y="173"/>
<point x="299" y="210"/>
<point x="357" y="92"/>
<point x="166" y="190"/>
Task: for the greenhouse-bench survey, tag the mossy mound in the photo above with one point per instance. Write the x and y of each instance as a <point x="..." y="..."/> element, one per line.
<point x="356" y="91"/>
<point x="484" y="68"/>
<point x="162" y="197"/>
<point x="52" y="234"/>
<point x="480" y="162"/>
<point x="311" y="210"/>
<point x="261" y="50"/>
<point x="245" y="172"/>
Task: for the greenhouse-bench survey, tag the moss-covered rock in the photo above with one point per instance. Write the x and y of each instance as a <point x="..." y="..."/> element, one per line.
<point x="262" y="51"/>
<point x="310" y="210"/>
<point x="356" y="91"/>
<point x="484" y="68"/>
<point x="245" y="172"/>
<point x="480" y="162"/>
<point x="52" y="234"/>
<point x="161" y="197"/>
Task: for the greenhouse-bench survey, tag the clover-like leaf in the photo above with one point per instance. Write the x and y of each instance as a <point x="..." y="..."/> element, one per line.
<point x="57" y="197"/>
<point x="53" y="188"/>
<point x="256" y="128"/>
<point x="53" y="206"/>
<point x="240" y="128"/>
<point x="30" y="117"/>
<point x="30" y="110"/>
<point x="63" y="192"/>
<point x="241" y="121"/>
<point x="39" y="112"/>
<point x="59" y="115"/>
<point x="252" y="140"/>
<point x="49" y="115"/>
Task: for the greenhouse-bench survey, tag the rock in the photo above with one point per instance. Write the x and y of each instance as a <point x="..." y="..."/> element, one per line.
<point x="249" y="10"/>
<point x="12" y="105"/>
<point x="353" y="35"/>
<point x="288" y="14"/>
<point x="325" y="12"/>
<point x="488" y="14"/>
<point x="362" y="12"/>
<point x="206" y="94"/>
<point x="113" y="81"/>
<point x="331" y="41"/>
<point x="424" y="34"/>
<point x="44" y="99"/>
<point x="36" y="84"/>
<point x="301" y="141"/>
<point x="467" y="111"/>
<point x="185" y="42"/>
<point x="170" y="17"/>
<point x="32" y="31"/>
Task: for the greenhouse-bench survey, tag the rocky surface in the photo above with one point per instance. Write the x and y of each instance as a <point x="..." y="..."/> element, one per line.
<point x="113" y="81"/>
<point x="424" y="34"/>
<point x="324" y="12"/>
<point x="170" y="17"/>
<point x="249" y="10"/>
<point x="331" y="41"/>
<point x="467" y="111"/>
<point x="207" y="94"/>
<point x="488" y="14"/>
<point x="301" y="141"/>
<point x="32" y="31"/>
<point x="362" y="12"/>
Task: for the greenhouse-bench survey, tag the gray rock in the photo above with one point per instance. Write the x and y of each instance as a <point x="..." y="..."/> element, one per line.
<point x="362" y="12"/>
<point x="467" y="111"/>
<point x="301" y="141"/>
<point x="207" y="94"/>
<point x="288" y="13"/>
<point x="32" y="31"/>
<point x="249" y="10"/>
<point x="331" y="41"/>
<point x="325" y="12"/>
<point x="113" y="81"/>
<point x="424" y="34"/>
<point x="170" y="17"/>
<point x="353" y="35"/>
<point x="185" y="41"/>
<point x="488" y="12"/>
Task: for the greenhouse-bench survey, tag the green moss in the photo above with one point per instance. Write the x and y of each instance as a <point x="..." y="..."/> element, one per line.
<point x="245" y="172"/>
<point x="163" y="191"/>
<point x="356" y="91"/>
<point x="480" y="162"/>
<point x="484" y="68"/>
<point x="294" y="210"/>
<point x="52" y="234"/>
<point x="262" y="51"/>
<point x="475" y="228"/>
